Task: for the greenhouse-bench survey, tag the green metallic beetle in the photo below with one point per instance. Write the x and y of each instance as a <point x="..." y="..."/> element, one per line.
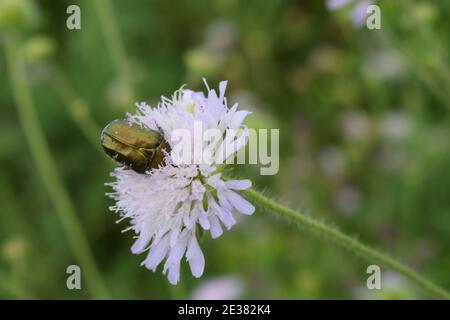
<point x="132" y="146"/>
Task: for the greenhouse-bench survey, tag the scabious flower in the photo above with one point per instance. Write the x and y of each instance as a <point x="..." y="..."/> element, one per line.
<point x="167" y="205"/>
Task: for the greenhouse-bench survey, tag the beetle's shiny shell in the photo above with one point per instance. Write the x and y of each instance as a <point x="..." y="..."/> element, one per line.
<point x="130" y="145"/>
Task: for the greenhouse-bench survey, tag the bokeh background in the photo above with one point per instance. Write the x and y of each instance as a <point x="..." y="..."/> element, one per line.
<point x="364" y="140"/>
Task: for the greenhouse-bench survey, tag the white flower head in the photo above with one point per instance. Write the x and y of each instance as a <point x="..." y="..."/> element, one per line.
<point x="167" y="204"/>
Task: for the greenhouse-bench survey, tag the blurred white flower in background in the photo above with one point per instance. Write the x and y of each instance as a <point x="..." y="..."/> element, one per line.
<point x="348" y="199"/>
<point x="331" y="161"/>
<point x="359" y="14"/>
<point x="356" y="125"/>
<point x="396" y="126"/>
<point x="166" y="204"/>
<point x="391" y="158"/>
<point x="358" y="9"/>
<point x="384" y="64"/>
<point x="337" y="4"/>
<point x="220" y="35"/>
<point x="220" y="288"/>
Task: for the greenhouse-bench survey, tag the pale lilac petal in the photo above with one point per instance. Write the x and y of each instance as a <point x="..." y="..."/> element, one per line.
<point x="173" y="260"/>
<point x="238" y="119"/>
<point x="194" y="256"/>
<point x="174" y="236"/>
<point x="202" y="217"/>
<point x="233" y="109"/>
<point x="140" y="244"/>
<point x="189" y="221"/>
<point x="238" y="184"/>
<point x="216" y="229"/>
<point x="157" y="253"/>
<point x="227" y="147"/>
<point x="214" y="181"/>
<point x="223" y="211"/>
<point x="237" y="144"/>
<point x="226" y="217"/>
<point x="203" y="221"/>
<point x="188" y="94"/>
<point x="239" y="203"/>
<point x="198" y="189"/>
<point x="223" y="200"/>
<point x="222" y="88"/>
<point x="174" y="273"/>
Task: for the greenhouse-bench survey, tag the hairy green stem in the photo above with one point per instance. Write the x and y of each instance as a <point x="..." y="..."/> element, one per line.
<point x="47" y="168"/>
<point x="345" y="241"/>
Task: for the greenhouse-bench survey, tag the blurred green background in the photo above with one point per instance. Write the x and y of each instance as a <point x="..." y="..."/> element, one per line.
<point x="364" y="128"/>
